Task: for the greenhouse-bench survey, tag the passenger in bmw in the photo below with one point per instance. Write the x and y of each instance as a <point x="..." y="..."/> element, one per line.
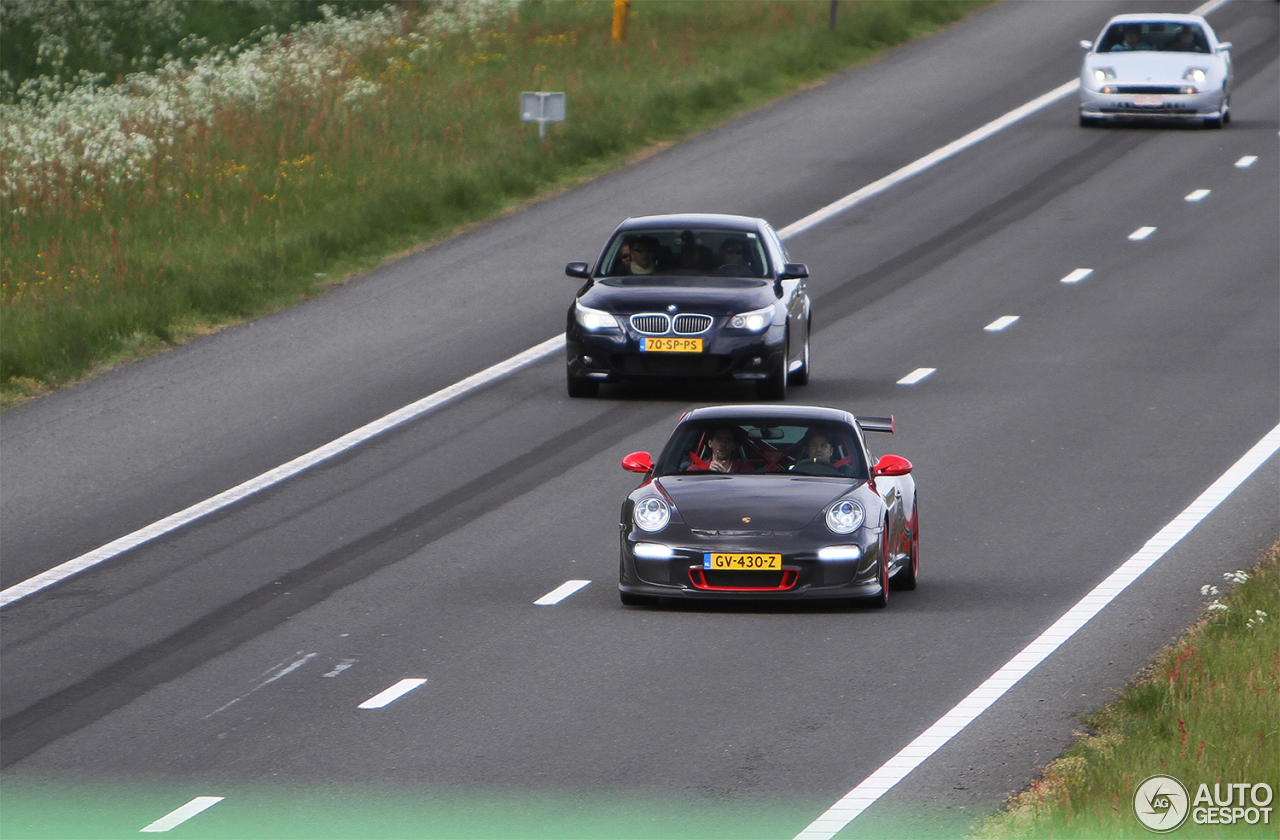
<point x="644" y="254"/>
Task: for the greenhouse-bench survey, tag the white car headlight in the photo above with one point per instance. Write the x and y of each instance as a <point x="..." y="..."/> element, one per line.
<point x="651" y="514"/>
<point x="593" y="319"/>
<point x="845" y="516"/>
<point x="1195" y="74"/>
<point x="1101" y="74"/>
<point x="753" y="321"/>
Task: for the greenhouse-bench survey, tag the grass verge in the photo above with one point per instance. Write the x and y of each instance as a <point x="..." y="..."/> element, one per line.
<point x="1205" y="713"/>
<point x="221" y="202"/>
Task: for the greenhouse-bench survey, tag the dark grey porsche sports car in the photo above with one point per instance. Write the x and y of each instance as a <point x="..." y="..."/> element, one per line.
<point x="690" y="296"/>
<point x="769" y="502"/>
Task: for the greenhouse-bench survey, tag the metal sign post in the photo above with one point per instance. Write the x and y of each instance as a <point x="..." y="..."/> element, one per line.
<point x="541" y="107"/>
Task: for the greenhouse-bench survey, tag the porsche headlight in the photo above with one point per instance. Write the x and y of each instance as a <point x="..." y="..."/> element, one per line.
<point x="845" y="516"/>
<point x="651" y="514"/>
<point x="1101" y="74"/>
<point x="1195" y="74"/>
<point x="593" y="319"/>
<point x="753" y="321"/>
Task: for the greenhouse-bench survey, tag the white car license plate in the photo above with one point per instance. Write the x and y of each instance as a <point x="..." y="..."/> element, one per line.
<point x="1146" y="100"/>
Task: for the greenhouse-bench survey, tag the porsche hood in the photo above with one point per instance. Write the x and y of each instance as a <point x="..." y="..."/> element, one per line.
<point x="712" y="502"/>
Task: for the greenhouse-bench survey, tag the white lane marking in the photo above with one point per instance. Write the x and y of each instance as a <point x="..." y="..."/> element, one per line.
<point x="1246" y="161"/>
<point x="181" y="815"/>
<point x="1000" y="323"/>
<point x="1077" y="275"/>
<point x="281" y="670"/>
<point x="561" y="592"/>
<point x="1197" y="195"/>
<point x="930" y="160"/>
<point x="390" y="695"/>
<point x="932" y="739"/>
<point x="352" y="439"/>
<point x="916" y="375"/>
<point x="1141" y="234"/>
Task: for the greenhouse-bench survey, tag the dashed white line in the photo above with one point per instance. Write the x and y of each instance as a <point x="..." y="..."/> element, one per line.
<point x="1077" y="275"/>
<point x="1198" y="195"/>
<point x="932" y="739"/>
<point x="1000" y="323"/>
<point x="390" y="695"/>
<point x="1246" y="161"/>
<point x="916" y="375"/>
<point x="181" y="815"/>
<point x="1141" y="234"/>
<point x="561" y="592"/>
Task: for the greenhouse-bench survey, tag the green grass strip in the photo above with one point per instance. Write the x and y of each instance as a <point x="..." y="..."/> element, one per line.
<point x="1205" y="712"/>
<point x="250" y="204"/>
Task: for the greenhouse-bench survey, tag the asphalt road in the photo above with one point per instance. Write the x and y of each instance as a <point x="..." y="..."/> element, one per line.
<point x="233" y="653"/>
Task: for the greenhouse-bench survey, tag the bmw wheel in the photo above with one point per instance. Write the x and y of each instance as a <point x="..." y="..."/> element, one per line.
<point x="800" y="376"/>
<point x="775" y="387"/>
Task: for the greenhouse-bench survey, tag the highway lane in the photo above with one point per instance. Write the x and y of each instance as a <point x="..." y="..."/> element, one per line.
<point x="1110" y="412"/>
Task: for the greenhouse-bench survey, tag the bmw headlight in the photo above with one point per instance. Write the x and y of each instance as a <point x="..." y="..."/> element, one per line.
<point x="651" y="514"/>
<point x="593" y="319"/>
<point x="1101" y="74"/>
<point x="753" y="321"/>
<point x="845" y="516"/>
<point x="1195" y="74"/>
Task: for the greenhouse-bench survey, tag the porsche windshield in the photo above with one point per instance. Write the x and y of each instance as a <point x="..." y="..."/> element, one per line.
<point x="776" y="447"/>
<point x="674" y="251"/>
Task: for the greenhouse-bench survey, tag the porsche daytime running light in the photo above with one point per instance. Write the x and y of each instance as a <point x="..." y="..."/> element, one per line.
<point x="845" y="517"/>
<point x="654" y="551"/>
<point x="753" y="321"/>
<point x="651" y="514"/>
<point x="1101" y="74"/>
<point x="839" y="552"/>
<point x="593" y="319"/>
<point x="1195" y="74"/>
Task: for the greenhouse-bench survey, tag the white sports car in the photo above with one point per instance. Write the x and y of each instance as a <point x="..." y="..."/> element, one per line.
<point x="1156" y="65"/>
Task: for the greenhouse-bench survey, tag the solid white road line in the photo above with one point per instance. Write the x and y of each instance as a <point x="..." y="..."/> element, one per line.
<point x="932" y="739"/>
<point x="1141" y="234"/>
<point x="930" y="160"/>
<point x="1197" y="195"/>
<point x="1077" y="275"/>
<point x="561" y="592"/>
<point x="390" y="695"/>
<point x="916" y="375"/>
<point x="1246" y="161"/>
<point x="181" y="815"/>
<point x="1000" y="323"/>
<point x="304" y="462"/>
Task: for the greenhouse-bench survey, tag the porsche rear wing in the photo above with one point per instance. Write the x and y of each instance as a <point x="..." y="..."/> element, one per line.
<point x="875" y="424"/>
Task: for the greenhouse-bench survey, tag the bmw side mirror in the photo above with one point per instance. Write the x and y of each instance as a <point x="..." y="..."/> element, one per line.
<point x="637" y="462"/>
<point x="891" y="465"/>
<point x="578" y="269"/>
<point x="794" y="271"/>
<point x="1086" y="45"/>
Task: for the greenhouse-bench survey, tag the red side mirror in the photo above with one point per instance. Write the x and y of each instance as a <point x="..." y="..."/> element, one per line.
<point x="891" y="465"/>
<point x="640" y="462"/>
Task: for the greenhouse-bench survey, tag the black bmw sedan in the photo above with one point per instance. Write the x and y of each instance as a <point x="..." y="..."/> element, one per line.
<point x="690" y="296"/>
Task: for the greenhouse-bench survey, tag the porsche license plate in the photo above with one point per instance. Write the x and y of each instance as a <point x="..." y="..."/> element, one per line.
<point x="742" y="562"/>
<point x="671" y="345"/>
<point x="1145" y="100"/>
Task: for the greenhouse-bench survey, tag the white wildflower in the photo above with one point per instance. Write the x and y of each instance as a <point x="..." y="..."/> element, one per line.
<point x="1208" y="589"/>
<point x="1237" y="577"/>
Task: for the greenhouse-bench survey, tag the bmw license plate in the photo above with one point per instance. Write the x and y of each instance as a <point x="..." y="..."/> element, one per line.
<point x="1146" y="100"/>
<point x="671" y="345"/>
<point x="742" y="562"/>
